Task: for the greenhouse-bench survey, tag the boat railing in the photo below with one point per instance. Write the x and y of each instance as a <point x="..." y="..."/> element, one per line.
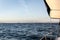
<point x="45" y="36"/>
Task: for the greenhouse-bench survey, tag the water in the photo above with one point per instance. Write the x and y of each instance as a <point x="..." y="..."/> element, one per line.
<point x="26" y="31"/>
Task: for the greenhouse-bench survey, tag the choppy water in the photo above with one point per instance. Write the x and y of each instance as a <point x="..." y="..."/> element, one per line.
<point x="26" y="31"/>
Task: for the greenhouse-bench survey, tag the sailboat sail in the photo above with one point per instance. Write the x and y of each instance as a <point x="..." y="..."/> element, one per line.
<point x="47" y="6"/>
<point x="53" y="8"/>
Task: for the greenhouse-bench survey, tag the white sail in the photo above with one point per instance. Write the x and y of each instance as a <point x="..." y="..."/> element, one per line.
<point x="54" y="8"/>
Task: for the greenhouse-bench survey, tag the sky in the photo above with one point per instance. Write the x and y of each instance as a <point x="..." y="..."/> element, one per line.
<point x="24" y="11"/>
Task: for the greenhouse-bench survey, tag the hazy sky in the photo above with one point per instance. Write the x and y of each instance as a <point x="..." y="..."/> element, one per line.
<point x="23" y="11"/>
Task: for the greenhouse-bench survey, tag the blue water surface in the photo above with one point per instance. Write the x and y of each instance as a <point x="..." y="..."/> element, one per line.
<point x="27" y="31"/>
